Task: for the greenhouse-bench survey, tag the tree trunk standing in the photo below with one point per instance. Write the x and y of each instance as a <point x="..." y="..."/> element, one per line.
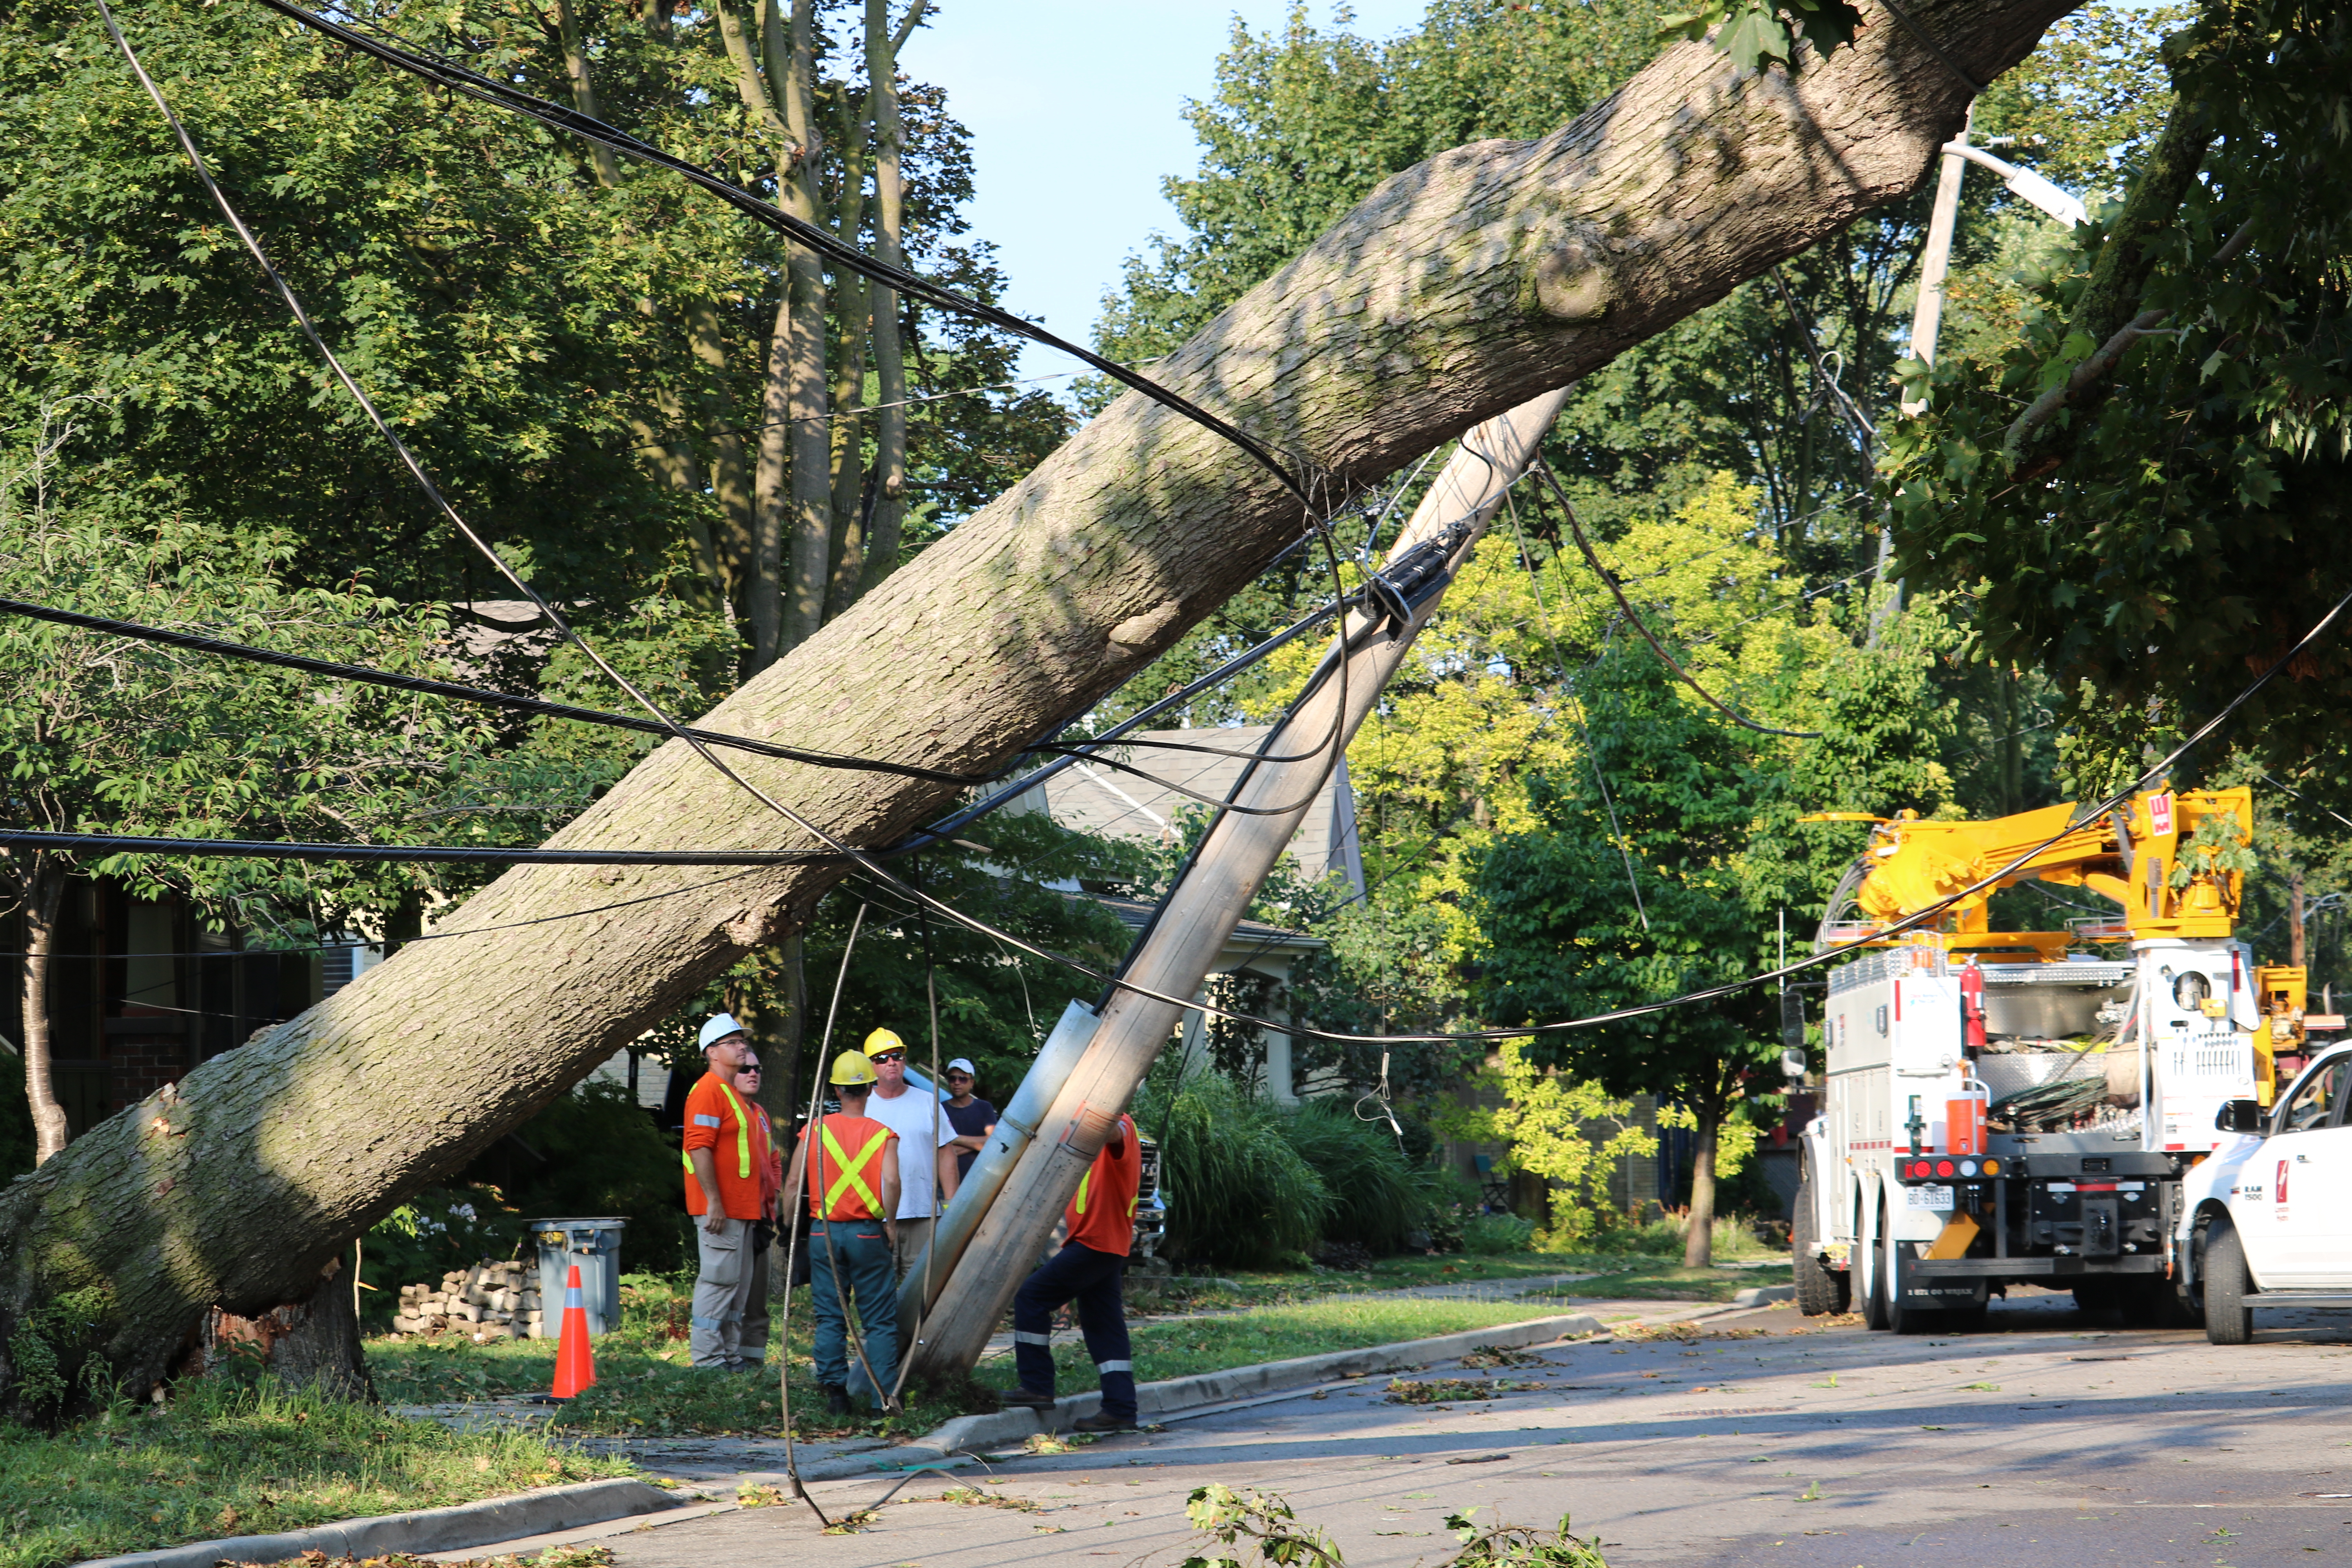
<point x="887" y="503"/>
<point x="731" y="475"/>
<point x="852" y="303"/>
<point x="44" y="890"/>
<point x="1459" y="289"/>
<point x="1699" y="1240"/>
<point x="808" y="539"/>
<point x="2294" y="944"/>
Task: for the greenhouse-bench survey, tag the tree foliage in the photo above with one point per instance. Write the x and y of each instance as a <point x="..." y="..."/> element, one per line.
<point x="2170" y="531"/>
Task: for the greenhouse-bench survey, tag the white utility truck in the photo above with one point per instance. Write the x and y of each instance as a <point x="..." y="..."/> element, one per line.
<point x="2002" y="1109"/>
<point x="2267" y="1220"/>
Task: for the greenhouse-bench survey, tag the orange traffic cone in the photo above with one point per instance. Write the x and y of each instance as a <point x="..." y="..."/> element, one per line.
<point x="575" y="1366"/>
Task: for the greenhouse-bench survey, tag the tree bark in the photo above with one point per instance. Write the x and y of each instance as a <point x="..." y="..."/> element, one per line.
<point x="1698" y="1238"/>
<point x="1459" y="289"/>
<point x="2295" y="949"/>
<point x="808" y="542"/>
<point x="44" y="890"/>
<point x="885" y="510"/>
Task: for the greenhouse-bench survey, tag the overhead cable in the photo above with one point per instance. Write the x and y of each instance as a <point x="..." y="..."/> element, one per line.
<point x="448" y="73"/>
<point x="1641" y="627"/>
<point x="484" y="696"/>
<point x="450" y="854"/>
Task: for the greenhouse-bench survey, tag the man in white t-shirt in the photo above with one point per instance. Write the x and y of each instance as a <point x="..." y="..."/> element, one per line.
<point x="920" y="1123"/>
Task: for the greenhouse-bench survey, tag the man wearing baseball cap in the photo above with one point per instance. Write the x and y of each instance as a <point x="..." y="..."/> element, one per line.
<point x="972" y="1118"/>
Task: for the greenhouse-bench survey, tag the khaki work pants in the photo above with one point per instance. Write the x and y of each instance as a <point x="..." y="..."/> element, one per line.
<point x="721" y="1289"/>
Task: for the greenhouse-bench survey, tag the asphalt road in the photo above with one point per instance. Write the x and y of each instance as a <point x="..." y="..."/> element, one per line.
<point x="2054" y="1437"/>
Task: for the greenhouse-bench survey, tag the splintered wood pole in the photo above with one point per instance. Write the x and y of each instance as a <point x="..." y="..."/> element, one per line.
<point x="1175" y="953"/>
<point x="1459" y="290"/>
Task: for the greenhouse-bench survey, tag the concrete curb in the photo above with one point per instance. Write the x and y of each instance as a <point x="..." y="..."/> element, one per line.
<point x="1764" y="1295"/>
<point x="484" y="1523"/>
<point x="1178" y="1393"/>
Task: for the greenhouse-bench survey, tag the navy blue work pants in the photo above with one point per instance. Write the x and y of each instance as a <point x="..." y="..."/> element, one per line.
<point x="849" y="1264"/>
<point x="1091" y="1280"/>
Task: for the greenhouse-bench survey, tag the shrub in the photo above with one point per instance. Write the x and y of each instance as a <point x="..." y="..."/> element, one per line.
<point x="1238" y="1193"/>
<point x="1498" y="1233"/>
<point x="1377" y="1199"/>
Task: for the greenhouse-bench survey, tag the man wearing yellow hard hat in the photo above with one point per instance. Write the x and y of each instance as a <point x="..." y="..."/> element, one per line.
<point x="921" y="1124"/>
<point x="848" y="1165"/>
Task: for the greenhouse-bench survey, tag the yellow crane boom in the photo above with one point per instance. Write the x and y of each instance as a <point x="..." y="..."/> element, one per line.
<point x="2172" y="860"/>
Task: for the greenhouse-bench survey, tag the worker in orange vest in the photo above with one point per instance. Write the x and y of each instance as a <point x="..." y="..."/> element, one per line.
<point x="848" y="1164"/>
<point x="768" y="1159"/>
<point x="1099" y="1225"/>
<point x="725" y="1149"/>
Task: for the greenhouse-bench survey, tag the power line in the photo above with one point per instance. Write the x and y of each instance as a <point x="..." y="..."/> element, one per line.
<point x="448" y="854"/>
<point x="485" y="697"/>
<point x="1642" y="626"/>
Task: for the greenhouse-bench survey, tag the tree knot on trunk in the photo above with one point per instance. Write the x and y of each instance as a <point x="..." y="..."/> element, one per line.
<point x="1565" y="268"/>
<point x="759" y="925"/>
<point x="1139" y="637"/>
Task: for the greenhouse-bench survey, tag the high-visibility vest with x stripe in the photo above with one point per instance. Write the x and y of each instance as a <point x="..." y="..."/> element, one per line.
<point x="846" y="1167"/>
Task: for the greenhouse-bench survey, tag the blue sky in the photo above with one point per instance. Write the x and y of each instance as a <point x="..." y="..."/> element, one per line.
<point x="1076" y="111"/>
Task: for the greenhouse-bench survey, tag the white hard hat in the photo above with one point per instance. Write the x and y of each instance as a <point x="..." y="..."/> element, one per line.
<point x="716" y="1027"/>
<point x="960" y="1064"/>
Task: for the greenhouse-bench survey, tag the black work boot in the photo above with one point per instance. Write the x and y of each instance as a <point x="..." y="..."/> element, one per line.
<point x="836" y="1399"/>
<point x="1101" y="1423"/>
<point x="1028" y="1398"/>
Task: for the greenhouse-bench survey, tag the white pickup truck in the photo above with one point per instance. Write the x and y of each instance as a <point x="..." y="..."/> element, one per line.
<point x="2266" y="1219"/>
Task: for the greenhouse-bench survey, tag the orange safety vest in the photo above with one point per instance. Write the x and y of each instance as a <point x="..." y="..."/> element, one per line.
<point x="845" y="1175"/>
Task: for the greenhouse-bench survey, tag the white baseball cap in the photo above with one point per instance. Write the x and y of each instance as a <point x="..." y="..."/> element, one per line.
<point x="962" y="1064"/>
<point x="718" y="1026"/>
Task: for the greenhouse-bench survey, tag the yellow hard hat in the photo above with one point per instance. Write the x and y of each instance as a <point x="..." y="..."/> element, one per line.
<point x="883" y="1040"/>
<point x="851" y="1068"/>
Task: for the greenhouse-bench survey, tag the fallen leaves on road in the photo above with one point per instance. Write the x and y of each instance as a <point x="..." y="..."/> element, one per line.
<point x="974" y="1497"/>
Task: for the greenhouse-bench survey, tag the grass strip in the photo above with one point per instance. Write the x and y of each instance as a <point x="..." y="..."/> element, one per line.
<point x="645" y="1385"/>
<point x="1665" y="1281"/>
<point x="1166" y="1350"/>
<point x="228" y="1460"/>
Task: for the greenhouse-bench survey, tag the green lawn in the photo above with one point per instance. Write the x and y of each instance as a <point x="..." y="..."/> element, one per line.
<point x="1165" y="1349"/>
<point x="222" y="1460"/>
<point x="1663" y="1279"/>
<point x="645" y="1386"/>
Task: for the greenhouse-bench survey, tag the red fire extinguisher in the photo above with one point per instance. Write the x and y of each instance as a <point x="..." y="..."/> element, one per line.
<point x="1973" y="1012"/>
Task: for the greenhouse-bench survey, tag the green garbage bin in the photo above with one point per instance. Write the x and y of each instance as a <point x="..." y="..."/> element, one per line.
<point x="595" y="1245"/>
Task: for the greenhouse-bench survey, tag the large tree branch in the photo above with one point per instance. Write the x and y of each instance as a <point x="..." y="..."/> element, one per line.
<point x="1457" y="289"/>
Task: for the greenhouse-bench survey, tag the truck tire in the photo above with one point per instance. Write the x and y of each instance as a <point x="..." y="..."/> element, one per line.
<point x="1901" y="1319"/>
<point x="1820" y="1290"/>
<point x="2228" y="1320"/>
<point x="1871" y="1261"/>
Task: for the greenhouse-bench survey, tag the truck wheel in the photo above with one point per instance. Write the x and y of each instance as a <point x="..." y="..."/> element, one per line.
<point x="2228" y="1320"/>
<point x="1819" y="1290"/>
<point x="1872" y="1261"/>
<point x="1902" y="1319"/>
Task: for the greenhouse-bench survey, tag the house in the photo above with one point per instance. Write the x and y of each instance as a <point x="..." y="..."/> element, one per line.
<point x="141" y="992"/>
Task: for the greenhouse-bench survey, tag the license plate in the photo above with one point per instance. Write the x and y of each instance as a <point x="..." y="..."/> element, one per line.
<point x="1927" y="1197"/>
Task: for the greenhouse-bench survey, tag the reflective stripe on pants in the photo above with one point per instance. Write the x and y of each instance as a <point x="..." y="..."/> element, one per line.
<point x="1091" y="1280"/>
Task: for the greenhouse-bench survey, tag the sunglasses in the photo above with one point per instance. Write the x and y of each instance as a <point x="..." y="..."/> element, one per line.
<point x="881" y="1057"/>
<point x="740" y="1071"/>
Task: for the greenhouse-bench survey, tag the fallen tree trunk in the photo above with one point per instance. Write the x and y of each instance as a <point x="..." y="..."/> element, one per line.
<point x="1459" y="289"/>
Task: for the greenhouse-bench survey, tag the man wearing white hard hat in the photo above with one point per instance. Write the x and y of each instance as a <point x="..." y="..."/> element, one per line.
<point x="726" y="1157"/>
<point x="921" y="1124"/>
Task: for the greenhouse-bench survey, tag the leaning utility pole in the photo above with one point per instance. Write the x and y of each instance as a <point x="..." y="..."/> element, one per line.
<point x="1192" y="924"/>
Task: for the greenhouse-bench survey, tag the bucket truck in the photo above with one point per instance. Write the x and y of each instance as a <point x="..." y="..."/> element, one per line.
<point x="2022" y="1107"/>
